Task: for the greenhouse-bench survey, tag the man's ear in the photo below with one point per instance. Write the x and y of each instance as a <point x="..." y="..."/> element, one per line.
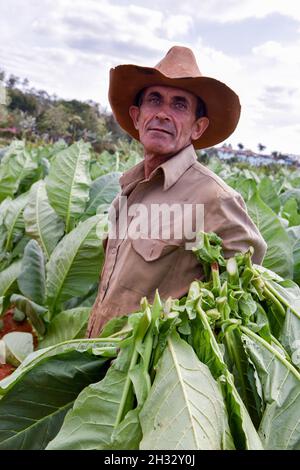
<point x="134" y="112"/>
<point x="199" y="127"/>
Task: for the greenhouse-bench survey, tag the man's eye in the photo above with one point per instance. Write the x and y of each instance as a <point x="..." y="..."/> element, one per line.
<point x="153" y="100"/>
<point x="180" y="105"/>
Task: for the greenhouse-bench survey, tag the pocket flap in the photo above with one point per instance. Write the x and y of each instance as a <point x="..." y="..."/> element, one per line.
<point x="153" y="249"/>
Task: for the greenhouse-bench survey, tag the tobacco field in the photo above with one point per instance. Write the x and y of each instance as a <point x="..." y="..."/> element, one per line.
<point x="217" y="369"/>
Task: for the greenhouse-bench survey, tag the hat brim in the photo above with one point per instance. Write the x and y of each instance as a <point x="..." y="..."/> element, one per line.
<point x="222" y="104"/>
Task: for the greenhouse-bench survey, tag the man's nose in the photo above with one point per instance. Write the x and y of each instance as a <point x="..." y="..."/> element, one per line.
<point x="162" y="114"/>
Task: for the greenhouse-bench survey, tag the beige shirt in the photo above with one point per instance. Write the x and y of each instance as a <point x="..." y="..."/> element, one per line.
<point x="135" y="267"/>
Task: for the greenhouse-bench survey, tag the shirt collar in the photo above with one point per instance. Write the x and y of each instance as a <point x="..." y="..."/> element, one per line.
<point x="173" y="169"/>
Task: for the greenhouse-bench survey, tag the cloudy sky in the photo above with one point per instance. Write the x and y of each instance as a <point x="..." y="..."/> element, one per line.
<point x="68" y="46"/>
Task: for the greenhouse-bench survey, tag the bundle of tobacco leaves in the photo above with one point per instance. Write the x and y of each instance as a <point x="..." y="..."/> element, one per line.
<point x="217" y="369"/>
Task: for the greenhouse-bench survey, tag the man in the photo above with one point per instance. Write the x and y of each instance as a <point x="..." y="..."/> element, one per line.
<point x="171" y="109"/>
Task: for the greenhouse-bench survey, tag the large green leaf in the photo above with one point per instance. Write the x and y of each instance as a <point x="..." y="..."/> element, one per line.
<point x="90" y="424"/>
<point x="41" y="220"/>
<point x="290" y="212"/>
<point x="246" y="187"/>
<point x="76" y="262"/>
<point x="290" y="193"/>
<point x="8" y="277"/>
<point x="32" y="278"/>
<point x="3" y="231"/>
<point x="209" y="352"/>
<point x="268" y="194"/>
<point x="67" y="325"/>
<point x="14" y="221"/>
<point x="32" y="412"/>
<point x="294" y="234"/>
<point x="241" y="370"/>
<point x="69" y="181"/>
<point x="280" y="425"/>
<point x="37" y="357"/>
<point x="103" y="190"/>
<point x="279" y="256"/>
<point x="14" y="166"/>
<point x="290" y="336"/>
<point x="185" y="408"/>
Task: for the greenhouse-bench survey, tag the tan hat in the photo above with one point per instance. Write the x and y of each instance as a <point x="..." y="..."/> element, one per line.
<point x="178" y="69"/>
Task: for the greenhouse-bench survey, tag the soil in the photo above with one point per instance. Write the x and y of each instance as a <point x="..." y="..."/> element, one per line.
<point x="10" y="325"/>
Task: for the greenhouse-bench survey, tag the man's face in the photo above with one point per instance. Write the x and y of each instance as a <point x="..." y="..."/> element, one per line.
<point x="166" y="120"/>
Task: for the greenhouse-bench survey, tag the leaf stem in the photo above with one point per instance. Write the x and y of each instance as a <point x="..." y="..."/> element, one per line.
<point x="126" y="388"/>
<point x="271" y="349"/>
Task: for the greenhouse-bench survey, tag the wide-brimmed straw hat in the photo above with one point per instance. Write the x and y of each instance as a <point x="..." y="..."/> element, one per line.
<point x="178" y="69"/>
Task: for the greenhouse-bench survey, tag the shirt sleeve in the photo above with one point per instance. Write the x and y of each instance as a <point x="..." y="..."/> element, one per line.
<point x="228" y="218"/>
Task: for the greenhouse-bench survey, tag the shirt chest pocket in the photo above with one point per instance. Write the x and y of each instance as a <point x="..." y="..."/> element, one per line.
<point x="148" y="265"/>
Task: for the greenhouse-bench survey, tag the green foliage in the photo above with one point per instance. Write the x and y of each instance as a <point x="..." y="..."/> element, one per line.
<point x="231" y="378"/>
<point x="228" y="349"/>
<point x="51" y="250"/>
<point x="43" y="397"/>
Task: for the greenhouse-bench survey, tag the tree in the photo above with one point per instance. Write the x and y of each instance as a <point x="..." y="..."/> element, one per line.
<point x="25" y="102"/>
<point x="12" y="81"/>
<point x="261" y="147"/>
<point x="54" y="122"/>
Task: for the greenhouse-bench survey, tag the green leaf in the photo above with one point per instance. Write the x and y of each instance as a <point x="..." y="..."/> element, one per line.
<point x="67" y="325"/>
<point x="103" y="190"/>
<point x="294" y="234"/>
<point x="197" y="416"/>
<point x="14" y="166"/>
<point x="290" y="212"/>
<point x="209" y="352"/>
<point x="279" y="256"/>
<point x="268" y="194"/>
<point x="91" y="422"/>
<point x="32" y="278"/>
<point x="32" y="412"/>
<point x="287" y="292"/>
<point x="69" y="181"/>
<point x="14" y="221"/>
<point x="246" y="187"/>
<point x="37" y="357"/>
<point x="128" y="434"/>
<point x="290" y="193"/>
<point x="8" y="278"/>
<point x="41" y="221"/>
<point x="240" y="368"/>
<point x="32" y="310"/>
<point x="4" y="205"/>
<point x="76" y="262"/>
<point x="280" y="425"/>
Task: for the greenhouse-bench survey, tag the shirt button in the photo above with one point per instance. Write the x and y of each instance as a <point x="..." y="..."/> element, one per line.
<point x="113" y="250"/>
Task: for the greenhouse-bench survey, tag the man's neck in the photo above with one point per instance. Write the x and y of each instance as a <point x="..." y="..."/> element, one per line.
<point x="152" y="161"/>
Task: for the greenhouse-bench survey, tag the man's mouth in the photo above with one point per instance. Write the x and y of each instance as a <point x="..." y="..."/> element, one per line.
<point x="158" y="129"/>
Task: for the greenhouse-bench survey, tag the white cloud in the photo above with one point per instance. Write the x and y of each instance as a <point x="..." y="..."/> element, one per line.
<point x="68" y="46"/>
<point x="177" y="26"/>
<point x="224" y="11"/>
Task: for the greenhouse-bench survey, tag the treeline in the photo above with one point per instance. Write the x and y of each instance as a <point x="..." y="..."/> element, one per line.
<point x="26" y="112"/>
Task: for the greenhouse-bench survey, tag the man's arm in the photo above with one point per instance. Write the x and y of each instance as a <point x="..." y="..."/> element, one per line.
<point x="230" y="220"/>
